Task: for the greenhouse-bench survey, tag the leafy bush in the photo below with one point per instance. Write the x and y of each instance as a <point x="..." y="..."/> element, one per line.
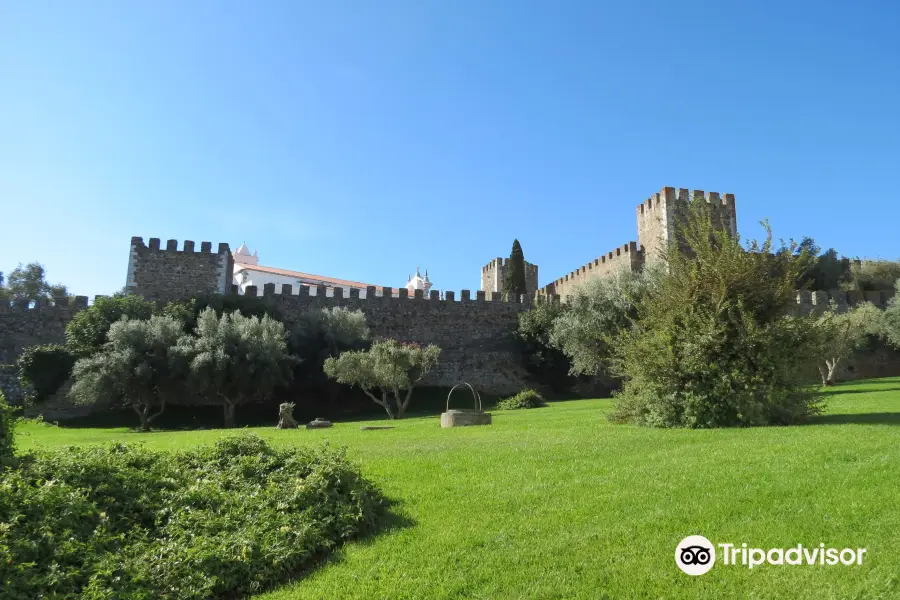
<point x="227" y="521"/>
<point x="527" y="398"/>
<point x="87" y="331"/>
<point x="45" y="368"/>
<point x="7" y="429"/>
<point x="712" y="347"/>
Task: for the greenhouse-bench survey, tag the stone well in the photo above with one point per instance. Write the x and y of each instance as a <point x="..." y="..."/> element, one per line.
<point x="465" y="417"/>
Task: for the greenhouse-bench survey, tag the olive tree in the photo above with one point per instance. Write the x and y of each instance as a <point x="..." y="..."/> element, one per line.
<point x="138" y="366"/>
<point x="234" y="359"/>
<point x="598" y="311"/>
<point x="388" y="368"/>
<point x="842" y="333"/>
<point x="891" y="318"/>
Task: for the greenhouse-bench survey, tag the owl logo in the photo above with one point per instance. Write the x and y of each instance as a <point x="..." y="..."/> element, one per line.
<point x="695" y="555"/>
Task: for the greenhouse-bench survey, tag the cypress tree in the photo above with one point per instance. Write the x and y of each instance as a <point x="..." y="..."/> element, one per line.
<point x="514" y="277"/>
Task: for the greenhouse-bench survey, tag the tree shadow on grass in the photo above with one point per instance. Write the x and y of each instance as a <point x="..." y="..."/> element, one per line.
<point x="393" y="519"/>
<point x="838" y="391"/>
<point x="880" y="418"/>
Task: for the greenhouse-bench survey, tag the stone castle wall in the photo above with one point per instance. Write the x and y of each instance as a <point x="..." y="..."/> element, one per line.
<point x="492" y="276"/>
<point x="23" y="325"/>
<point x="476" y="335"/>
<point x="656" y="219"/>
<point x="170" y="274"/>
<point x="629" y="257"/>
<point x="657" y="216"/>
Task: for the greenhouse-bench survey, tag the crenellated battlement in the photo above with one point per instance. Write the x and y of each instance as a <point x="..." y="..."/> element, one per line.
<point x="169" y="273"/>
<point x="658" y="215"/>
<point x="628" y="256"/>
<point x="172" y="246"/>
<point x="66" y="303"/>
<point x="384" y="295"/>
<point x="809" y="302"/>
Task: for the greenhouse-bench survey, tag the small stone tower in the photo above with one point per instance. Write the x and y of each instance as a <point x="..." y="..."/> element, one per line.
<point x="656" y="217"/>
<point x="172" y="274"/>
<point x="492" y="276"/>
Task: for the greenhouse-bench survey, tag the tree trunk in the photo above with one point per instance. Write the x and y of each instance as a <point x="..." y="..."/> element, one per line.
<point x="823" y="371"/>
<point x="409" y="391"/>
<point x="229" y="415"/>
<point x="141" y="411"/>
<point x="383" y="402"/>
<point x="832" y="369"/>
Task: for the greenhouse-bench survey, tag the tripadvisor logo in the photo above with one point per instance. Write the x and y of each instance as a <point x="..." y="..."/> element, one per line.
<point x="696" y="555"/>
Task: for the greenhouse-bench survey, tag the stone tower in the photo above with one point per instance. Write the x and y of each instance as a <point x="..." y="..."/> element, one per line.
<point x="656" y="217"/>
<point x="492" y="276"/>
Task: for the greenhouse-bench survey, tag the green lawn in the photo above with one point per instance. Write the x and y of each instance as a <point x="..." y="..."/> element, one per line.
<point x="558" y="503"/>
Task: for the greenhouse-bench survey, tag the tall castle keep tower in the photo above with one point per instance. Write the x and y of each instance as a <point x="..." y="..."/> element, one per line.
<point x="656" y="221"/>
<point x="657" y="216"/>
<point x="493" y="272"/>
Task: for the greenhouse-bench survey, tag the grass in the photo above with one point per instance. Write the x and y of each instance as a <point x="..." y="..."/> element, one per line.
<point x="558" y="503"/>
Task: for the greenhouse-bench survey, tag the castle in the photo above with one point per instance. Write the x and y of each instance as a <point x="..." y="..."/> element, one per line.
<point x="476" y="334"/>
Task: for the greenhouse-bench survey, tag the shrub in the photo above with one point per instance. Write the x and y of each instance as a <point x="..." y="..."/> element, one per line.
<point x="45" y="368"/>
<point x="7" y="429"/>
<point x="712" y="347"/>
<point x="527" y="398"/>
<point x="227" y="521"/>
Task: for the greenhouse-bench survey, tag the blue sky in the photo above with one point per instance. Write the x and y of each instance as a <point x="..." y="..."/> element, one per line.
<point x="359" y="139"/>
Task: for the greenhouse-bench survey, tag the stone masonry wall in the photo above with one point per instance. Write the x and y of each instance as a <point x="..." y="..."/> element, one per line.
<point x="656" y="216"/>
<point x="476" y="335"/>
<point x="22" y="326"/>
<point x="628" y="257"/>
<point x="170" y="274"/>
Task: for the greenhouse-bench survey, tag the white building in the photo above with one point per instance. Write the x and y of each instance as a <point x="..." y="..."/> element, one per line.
<point x="418" y="283"/>
<point x="248" y="271"/>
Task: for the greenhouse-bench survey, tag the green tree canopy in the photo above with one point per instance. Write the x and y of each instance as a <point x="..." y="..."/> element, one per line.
<point x="514" y="276"/>
<point x="891" y="319"/>
<point x="87" y="332"/>
<point x="28" y="283"/>
<point x="842" y="333"/>
<point x="139" y="366"/>
<point x="600" y="309"/>
<point x="388" y="367"/>
<point x="235" y="359"/>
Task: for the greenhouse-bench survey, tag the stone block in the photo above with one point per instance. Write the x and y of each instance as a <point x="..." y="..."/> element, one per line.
<point x="464" y="418"/>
